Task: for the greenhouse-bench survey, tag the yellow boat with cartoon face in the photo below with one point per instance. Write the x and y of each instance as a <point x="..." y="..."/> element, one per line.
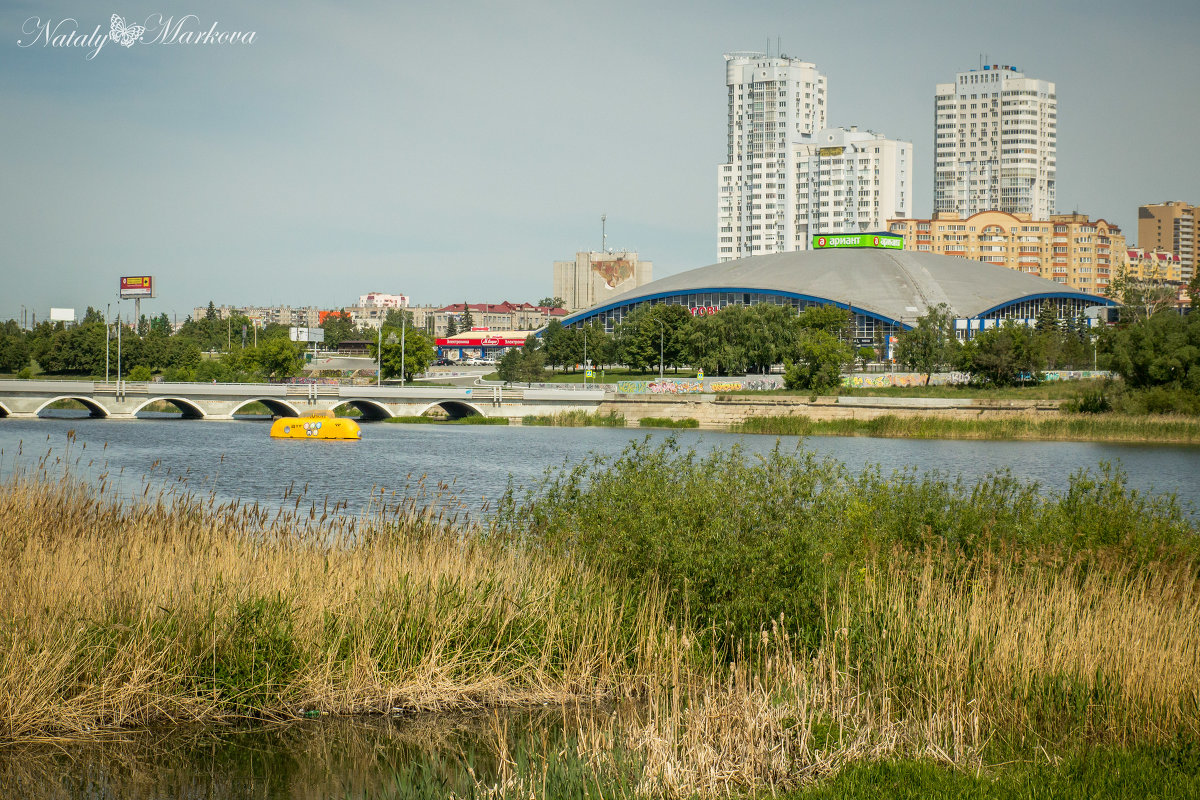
<point x="315" y="425"/>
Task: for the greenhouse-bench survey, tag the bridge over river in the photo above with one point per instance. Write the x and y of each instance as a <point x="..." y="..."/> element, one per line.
<point x="125" y="399"/>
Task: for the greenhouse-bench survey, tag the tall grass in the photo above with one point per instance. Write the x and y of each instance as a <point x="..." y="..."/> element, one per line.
<point x="115" y="614"/>
<point x="738" y="541"/>
<point x="778" y="619"/>
<point x="1092" y="427"/>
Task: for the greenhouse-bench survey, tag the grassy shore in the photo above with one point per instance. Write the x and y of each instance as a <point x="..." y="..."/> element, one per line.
<point x="785" y="625"/>
<point x="1075" y="427"/>
<point x="577" y="419"/>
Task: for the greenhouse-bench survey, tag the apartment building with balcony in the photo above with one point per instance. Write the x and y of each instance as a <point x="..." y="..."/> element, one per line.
<point x="995" y="143"/>
<point x="773" y="104"/>
<point x="1173" y="226"/>
<point x="1069" y="249"/>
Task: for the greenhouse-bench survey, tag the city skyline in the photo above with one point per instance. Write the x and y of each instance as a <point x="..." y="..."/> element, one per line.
<point x="410" y="151"/>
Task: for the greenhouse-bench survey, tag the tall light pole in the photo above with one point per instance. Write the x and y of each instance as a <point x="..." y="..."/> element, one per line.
<point x="379" y="357"/>
<point x="118" y="343"/>
<point x="662" y="332"/>
<point x="403" y="352"/>
<point x="107" y="335"/>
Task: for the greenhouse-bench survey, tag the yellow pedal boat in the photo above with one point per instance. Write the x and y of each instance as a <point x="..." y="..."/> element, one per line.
<point x="315" y="425"/>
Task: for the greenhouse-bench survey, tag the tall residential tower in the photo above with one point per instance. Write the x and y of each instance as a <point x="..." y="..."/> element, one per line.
<point x="774" y="103"/>
<point x="995" y="143"/>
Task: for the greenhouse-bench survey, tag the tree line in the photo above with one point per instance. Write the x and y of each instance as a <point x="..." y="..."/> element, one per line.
<point x="205" y="349"/>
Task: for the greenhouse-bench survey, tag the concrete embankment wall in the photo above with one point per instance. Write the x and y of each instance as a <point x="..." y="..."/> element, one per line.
<point x="720" y="411"/>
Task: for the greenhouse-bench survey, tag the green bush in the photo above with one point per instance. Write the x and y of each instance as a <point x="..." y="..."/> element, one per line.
<point x="740" y="541"/>
<point x="665" y="422"/>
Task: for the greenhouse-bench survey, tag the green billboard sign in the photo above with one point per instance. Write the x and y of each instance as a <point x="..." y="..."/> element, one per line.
<point x="825" y="241"/>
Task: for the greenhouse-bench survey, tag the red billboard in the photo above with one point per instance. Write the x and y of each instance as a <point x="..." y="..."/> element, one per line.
<point x="137" y="286"/>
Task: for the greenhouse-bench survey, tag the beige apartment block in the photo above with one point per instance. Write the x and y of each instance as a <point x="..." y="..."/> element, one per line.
<point x="1156" y="266"/>
<point x="1173" y="226"/>
<point x="1066" y="248"/>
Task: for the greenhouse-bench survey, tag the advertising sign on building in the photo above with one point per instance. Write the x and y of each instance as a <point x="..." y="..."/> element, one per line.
<point x="62" y="315"/>
<point x="136" y="286"/>
<point x="881" y="240"/>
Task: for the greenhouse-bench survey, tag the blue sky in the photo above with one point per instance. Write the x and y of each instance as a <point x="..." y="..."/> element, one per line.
<point x="454" y="151"/>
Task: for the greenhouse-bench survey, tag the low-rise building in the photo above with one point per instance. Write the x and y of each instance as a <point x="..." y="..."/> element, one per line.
<point x="504" y="316"/>
<point x="1070" y="249"/>
<point x="1159" y="266"/>
<point x="261" y="316"/>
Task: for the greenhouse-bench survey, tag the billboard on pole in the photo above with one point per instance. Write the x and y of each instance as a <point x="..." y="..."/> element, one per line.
<point x="307" y="334"/>
<point x="136" y="286"/>
<point x="62" y="315"/>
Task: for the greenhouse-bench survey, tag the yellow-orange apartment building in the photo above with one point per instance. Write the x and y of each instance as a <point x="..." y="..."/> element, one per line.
<point x="1067" y="248"/>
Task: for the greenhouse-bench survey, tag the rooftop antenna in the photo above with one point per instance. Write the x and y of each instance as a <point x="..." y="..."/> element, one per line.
<point x="778" y="46"/>
<point x="603" y="233"/>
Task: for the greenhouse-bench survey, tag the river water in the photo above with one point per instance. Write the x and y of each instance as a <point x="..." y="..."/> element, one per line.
<point x="239" y="460"/>
<point x="407" y="757"/>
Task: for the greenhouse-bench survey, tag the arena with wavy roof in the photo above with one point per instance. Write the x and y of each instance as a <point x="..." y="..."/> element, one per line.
<point x="885" y="290"/>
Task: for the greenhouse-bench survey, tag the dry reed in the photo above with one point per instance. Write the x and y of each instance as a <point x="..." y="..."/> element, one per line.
<point x="920" y="659"/>
<point x="171" y="608"/>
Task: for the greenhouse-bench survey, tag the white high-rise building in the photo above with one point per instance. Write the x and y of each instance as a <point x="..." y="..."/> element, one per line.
<point x="774" y="104"/>
<point x="995" y="143"/>
<point x="849" y="181"/>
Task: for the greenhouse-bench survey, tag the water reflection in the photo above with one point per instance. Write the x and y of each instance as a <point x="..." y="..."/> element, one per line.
<point x="425" y="755"/>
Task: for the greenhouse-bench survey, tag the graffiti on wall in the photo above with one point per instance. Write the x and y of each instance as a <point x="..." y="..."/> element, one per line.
<point x="671" y="386"/>
<point x="886" y="379"/>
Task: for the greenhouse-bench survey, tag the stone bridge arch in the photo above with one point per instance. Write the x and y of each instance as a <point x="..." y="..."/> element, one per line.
<point x="279" y="408"/>
<point x="4" y="412"/>
<point x="455" y="409"/>
<point x="188" y="408"/>
<point x="94" y="408"/>
<point x="371" y="409"/>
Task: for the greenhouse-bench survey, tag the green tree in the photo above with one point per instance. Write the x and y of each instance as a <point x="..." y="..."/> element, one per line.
<point x="931" y="344"/>
<point x="277" y="358"/>
<point x="1163" y="350"/>
<point x="533" y="360"/>
<point x="339" y="327"/>
<point x="819" y="359"/>
<point x="552" y="302"/>
<point x="210" y="313"/>
<point x="451" y="325"/>
<point x="557" y="344"/>
<point x="510" y="366"/>
<point x="161" y="324"/>
<point x="410" y="352"/>
<point x="14" y="349"/>
<point x="1005" y="356"/>
<point x="468" y="321"/>
<point x="92" y="317"/>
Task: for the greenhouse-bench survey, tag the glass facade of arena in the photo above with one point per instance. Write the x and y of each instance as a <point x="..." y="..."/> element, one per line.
<point x="869" y="328"/>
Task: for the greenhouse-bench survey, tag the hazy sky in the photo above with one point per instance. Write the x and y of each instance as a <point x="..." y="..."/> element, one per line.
<point x="454" y="151"/>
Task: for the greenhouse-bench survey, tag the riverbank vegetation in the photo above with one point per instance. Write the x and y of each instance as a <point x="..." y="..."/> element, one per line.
<point x="1064" y="427"/>
<point x="666" y="422"/>
<point x="470" y="419"/>
<point x="779" y="621"/>
<point x="577" y="419"/>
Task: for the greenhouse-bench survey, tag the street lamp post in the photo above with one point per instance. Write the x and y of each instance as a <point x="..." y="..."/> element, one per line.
<point x="107" y="335"/>
<point x="662" y="332"/>
<point x="379" y="356"/>
<point x="403" y="352"/>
